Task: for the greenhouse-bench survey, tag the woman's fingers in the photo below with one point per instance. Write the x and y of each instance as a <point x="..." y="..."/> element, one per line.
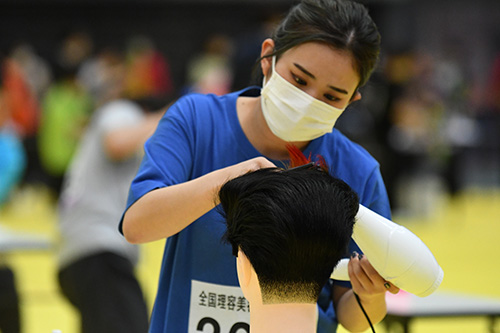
<point x="391" y="288"/>
<point x="365" y="279"/>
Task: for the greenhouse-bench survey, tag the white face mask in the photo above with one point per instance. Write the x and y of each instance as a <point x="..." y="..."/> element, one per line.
<point x="292" y="114"/>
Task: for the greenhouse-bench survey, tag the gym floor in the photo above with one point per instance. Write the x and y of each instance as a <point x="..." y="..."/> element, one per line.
<point x="463" y="232"/>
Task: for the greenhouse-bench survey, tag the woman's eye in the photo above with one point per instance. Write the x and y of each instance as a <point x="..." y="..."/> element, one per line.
<point x="331" y="98"/>
<point x="299" y="80"/>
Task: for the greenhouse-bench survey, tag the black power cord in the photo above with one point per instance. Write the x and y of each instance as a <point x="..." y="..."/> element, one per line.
<point x="364" y="312"/>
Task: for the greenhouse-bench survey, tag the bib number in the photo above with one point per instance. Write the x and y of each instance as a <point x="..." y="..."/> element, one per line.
<point x="218" y="309"/>
<point x="216" y="327"/>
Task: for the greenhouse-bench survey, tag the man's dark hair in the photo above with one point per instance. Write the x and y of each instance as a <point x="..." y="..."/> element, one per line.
<point x="293" y="225"/>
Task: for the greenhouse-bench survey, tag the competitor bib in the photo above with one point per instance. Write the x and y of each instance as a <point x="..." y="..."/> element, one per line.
<point x="217" y="308"/>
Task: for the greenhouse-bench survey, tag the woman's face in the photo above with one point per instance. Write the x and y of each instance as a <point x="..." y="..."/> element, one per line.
<point x="316" y="68"/>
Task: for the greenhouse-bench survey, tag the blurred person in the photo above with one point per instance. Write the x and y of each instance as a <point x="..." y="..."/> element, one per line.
<point x="38" y="77"/>
<point x="147" y="70"/>
<point x="96" y="265"/>
<point x="488" y="106"/>
<point x="103" y="75"/>
<point x="288" y="230"/>
<point x="65" y="111"/>
<point x="322" y="52"/>
<point x="76" y="46"/>
<point x="19" y="97"/>
<point x="422" y="111"/>
<point x="12" y="166"/>
<point x="13" y="156"/>
<point x="37" y="71"/>
<point x="22" y="99"/>
<point x="492" y="91"/>
<point x="10" y="312"/>
<point x="210" y="71"/>
<point x="487" y="120"/>
<point x="457" y="129"/>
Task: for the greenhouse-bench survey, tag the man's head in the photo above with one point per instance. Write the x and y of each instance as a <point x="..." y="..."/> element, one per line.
<point x="293" y="226"/>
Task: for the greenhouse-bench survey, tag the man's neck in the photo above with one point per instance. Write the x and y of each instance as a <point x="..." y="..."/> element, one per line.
<point x="290" y="318"/>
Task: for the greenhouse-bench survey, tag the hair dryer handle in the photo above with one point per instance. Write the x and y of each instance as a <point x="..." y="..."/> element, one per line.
<point x="397" y="254"/>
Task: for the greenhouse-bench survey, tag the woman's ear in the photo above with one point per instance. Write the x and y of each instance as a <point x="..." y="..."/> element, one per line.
<point x="355" y="97"/>
<point x="267" y="49"/>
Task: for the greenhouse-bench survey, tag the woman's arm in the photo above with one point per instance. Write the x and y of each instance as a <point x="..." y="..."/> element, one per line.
<point x="166" y="211"/>
<point x="370" y="288"/>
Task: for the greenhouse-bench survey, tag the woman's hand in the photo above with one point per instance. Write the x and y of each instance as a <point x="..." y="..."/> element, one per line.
<point x="370" y="288"/>
<point x="366" y="281"/>
<point x="239" y="169"/>
<point x="164" y="212"/>
<point x="247" y="166"/>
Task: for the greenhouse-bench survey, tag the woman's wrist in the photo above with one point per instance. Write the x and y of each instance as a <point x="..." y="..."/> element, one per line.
<point x="372" y="299"/>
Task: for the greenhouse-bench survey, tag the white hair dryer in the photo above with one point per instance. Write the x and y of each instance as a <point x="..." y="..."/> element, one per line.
<point x="397" y="254"/>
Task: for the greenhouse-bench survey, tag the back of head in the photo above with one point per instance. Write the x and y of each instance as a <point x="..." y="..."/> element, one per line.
<point x="343" y="24"/>
<point x="293" y="225"/>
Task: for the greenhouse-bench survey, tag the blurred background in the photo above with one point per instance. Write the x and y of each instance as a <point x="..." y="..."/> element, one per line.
<point x="430" y="115"/>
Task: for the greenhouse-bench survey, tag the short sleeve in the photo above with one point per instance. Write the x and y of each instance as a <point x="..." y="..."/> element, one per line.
<point x="167" y="154"/>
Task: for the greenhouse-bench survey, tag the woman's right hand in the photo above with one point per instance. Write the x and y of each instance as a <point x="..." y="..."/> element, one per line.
<point x="165" y="211"/>
<point x="247" y="166"/>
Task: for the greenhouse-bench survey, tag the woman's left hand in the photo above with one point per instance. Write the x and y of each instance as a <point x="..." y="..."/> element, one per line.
<point x="366" y="281"/>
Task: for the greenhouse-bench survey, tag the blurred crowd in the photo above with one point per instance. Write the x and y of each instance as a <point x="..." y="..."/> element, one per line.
<point x="419" y="114"/>
<point x="432" y="126"/>
<point x="50" y="101"/>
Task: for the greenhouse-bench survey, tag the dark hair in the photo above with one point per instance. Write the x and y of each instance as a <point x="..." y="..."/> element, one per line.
<point x="345" y="25"/>
<point x="294" y="226"/>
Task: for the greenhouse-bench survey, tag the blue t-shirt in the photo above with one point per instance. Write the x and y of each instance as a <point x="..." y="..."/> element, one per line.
<point x="200" y="134"/>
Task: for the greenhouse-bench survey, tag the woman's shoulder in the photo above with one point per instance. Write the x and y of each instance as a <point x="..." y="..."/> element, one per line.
<point x="198" y="103"/>
<point x="347" y="159"/>
<point x="194" y="97"/>
<point x="352" y="163"/>
<point x="201" y="107"/>
<point x="347" y="147"/>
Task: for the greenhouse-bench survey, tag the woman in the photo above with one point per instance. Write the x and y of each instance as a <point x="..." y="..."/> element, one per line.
<point x="313" y="66"/>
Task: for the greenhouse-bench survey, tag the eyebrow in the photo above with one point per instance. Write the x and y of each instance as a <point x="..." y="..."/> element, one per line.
<point x="306" y="72"/>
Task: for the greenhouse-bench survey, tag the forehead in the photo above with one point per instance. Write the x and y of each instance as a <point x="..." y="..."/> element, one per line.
<point x="324" y="61"/>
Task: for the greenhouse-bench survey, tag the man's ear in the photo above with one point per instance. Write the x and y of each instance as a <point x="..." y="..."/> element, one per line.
<point x="267" y="49"/>
<point x="244" y="268"/>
